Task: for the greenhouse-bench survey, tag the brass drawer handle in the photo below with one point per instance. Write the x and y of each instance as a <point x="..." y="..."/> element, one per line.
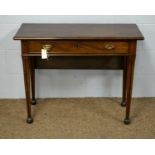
<point x="47" y="47"/>
<point x="109" y="46"/>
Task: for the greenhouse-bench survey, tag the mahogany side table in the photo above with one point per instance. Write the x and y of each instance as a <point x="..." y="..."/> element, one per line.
<point x="79" y="46"/>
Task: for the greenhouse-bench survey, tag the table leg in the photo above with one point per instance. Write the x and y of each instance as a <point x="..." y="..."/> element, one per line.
<point x="124" y="90"/>
<point x="130" y="73"/>
<point x="26" y="69"/>
<point x="33" y="101"/>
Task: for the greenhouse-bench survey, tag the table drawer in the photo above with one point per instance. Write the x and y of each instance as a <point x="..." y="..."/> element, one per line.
<point x="80" y="47"/>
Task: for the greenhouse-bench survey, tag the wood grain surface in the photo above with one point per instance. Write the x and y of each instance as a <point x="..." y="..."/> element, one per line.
<point x="78" y="31"/>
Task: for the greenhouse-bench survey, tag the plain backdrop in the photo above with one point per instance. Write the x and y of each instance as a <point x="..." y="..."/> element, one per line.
<point x="75" y="83"/>
<point x="80" y="7"/>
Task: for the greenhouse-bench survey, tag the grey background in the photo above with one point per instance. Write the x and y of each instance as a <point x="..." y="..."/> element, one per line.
<point x="75" y="83"/>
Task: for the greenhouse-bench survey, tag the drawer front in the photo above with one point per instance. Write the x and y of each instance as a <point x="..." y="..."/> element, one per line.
<point x="79" y="47"/>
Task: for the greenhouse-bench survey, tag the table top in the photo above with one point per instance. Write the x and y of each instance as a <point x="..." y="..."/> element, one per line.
<point x="36" y="31"/>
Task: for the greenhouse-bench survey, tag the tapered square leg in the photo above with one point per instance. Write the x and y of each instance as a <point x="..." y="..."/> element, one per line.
<point x="130" y="73"/>
<point x="124" y="89"/>
<point x="26" y="69"/>
<point x="130" y="70"/>
<point x="33" y="100"/>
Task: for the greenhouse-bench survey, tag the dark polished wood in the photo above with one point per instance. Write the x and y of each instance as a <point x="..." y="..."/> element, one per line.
<point x="26" y="66"/>
<point x="129" y="84"/>
<point x="79" y="46"/>
<point x="33" y="101"/>
<point x="78" y="31"/>
<point x="124" y="92"/>
<point x="80" y="62"/>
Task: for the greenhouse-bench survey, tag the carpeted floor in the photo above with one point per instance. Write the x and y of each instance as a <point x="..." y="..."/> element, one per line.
<point x="78" y="118"/>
